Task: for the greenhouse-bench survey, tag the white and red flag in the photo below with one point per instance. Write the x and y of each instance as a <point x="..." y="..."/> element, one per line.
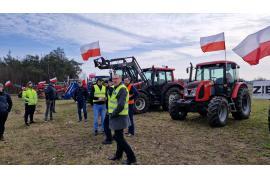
<point x="53" y="80"/>
<point x="254" y="47"/>
<point x="90" y="50"/>
<point x="42" y="82"/>
<point x="8" y="84"/>
<point x="213" y="43"/>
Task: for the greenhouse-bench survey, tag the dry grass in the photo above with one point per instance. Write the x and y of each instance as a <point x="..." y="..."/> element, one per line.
<point x="159" y="139"/>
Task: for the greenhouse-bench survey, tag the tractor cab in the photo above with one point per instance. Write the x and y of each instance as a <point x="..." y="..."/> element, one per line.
<point x="222" y="75"/>
<point x="157" y="76"/>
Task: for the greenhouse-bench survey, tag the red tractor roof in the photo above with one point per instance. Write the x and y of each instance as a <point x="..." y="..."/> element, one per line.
<point x="216" y="62"/>
<point x="160" y="68"/>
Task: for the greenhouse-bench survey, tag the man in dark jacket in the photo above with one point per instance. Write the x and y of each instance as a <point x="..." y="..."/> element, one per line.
<point x="50" y="96"/>
<point x="5" y="108"/>
<point x="119" y="119"/>
<point x="80" y="96"/>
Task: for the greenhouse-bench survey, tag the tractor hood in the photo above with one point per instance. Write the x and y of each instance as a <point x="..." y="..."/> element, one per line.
<point x="192" y="85"/>
<point x="192" y="88"/>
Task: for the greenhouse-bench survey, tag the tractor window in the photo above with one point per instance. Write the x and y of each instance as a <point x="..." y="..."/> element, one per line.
<point x="231" y="73"/>
<point x="148" y="75"/>
<point x="169" y="76"/>
<point x="161" y="77"/>
<point x="214" y="73"/>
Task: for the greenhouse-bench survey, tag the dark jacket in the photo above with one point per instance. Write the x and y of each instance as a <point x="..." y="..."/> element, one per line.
<point x="5" y="102"/>
<point x="92" y="96"/>
<point x="117" y="121"/>
<point x="50" y="93"/>
<point x="80" y="95"/>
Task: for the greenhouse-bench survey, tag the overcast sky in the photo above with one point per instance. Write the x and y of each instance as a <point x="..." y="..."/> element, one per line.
<point x="154" y="39"/>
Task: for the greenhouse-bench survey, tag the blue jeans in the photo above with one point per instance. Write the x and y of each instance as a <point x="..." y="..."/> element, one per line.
<point x="99" y="110"/>
<point x="80" y="106"/>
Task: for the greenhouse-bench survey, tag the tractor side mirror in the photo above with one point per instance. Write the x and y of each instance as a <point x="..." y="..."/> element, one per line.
<point x="187" y="70"/>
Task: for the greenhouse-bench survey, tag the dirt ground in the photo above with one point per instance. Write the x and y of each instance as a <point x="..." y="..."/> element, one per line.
<point x="159" y="140"/>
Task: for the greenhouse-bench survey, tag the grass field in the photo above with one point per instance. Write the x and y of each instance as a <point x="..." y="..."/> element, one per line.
<point x="159" y="140"/>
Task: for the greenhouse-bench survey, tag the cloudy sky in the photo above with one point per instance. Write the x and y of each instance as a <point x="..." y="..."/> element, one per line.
<point x="154" y="39"/>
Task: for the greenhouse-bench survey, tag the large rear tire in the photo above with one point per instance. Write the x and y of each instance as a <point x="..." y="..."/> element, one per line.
<point x="242" y="104"/>
<point x="141" y="104"/>
<point x="169" y="96"/>
<point x="175" y="111"/>
<point x="218" y="112"/>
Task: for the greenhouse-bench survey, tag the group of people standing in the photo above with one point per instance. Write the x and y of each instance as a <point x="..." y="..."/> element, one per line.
<point x="113" y="104"/>
<point x="112" y="101"/>
<point x="30" y="98"/>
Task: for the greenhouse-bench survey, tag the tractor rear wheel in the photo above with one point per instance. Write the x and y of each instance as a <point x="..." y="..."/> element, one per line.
<point x="169" y="96"/>
<point x="242" y="105"/>
<point x="218" y="112"/>
<point x="175" y="111"/>
<point x="142" y="104"/>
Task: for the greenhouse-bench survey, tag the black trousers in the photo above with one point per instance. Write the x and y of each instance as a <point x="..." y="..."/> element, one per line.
<point x="123" y="146"/>
<point x="107" y="130"/>
<point x="29" y="112"/>
<point x="131" y="128"/>
<point x="3" y="118"/>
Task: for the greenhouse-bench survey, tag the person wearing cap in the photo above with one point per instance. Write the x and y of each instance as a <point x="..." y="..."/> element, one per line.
<point x="80" y="96"/>
<point x="50" y="97"/>
<point x="133" y="94"/>
<point x="107" y="130"/>
<point x="98" y="101"/>
<point x="30" y="98"/>
<point x="5" y="108"/>
<point x="119" y="120"/>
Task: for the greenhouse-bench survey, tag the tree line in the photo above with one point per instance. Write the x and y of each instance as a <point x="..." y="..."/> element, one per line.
<point x="36" y="68"/>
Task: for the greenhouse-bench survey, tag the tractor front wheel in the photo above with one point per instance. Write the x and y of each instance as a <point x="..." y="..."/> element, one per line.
<point x="175" y="111"/>
<point x="169" y="96"/>
<point x="218" y="111"/>
<point x="142" y="104"/>
<point x="242" y="105"/>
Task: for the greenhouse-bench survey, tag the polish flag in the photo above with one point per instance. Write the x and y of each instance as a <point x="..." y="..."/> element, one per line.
<point x="92" y="75"/>
<point x="8" y="84"/>
<point x="42" y="82"/>
<point x="254" y="47"/>
<point x="90" y="50"/>
<point x="213" y="43"/>
<point x="53" y="80"/>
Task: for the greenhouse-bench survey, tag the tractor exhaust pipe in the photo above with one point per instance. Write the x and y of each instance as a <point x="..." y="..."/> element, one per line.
<point x="191" y="72"/>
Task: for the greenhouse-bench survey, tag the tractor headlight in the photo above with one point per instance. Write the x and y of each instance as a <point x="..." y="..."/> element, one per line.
<point x="193" y="92"/>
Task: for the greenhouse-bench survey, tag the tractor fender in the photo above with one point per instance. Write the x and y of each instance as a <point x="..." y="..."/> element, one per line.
<point x="237" y="87"/>
<point x="143" y="91"/>
<point x="167" y="87"/>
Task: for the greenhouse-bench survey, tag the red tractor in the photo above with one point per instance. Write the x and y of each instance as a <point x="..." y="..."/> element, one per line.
<point x="59" y="86"/>
<point x="214" y="92"/>
<point x="156" y="85"/>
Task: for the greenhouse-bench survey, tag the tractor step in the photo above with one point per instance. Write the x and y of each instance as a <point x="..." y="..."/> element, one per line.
<point x="232" y="107"/>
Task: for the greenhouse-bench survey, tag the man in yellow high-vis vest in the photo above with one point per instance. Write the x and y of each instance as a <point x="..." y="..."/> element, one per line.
<point x="30" y="98"/>
<point x="119" y="119"/>
<point x="98" y="100"/>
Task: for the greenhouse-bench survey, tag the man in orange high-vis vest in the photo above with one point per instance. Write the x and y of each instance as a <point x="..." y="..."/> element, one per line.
<point x="133" y="94"/>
